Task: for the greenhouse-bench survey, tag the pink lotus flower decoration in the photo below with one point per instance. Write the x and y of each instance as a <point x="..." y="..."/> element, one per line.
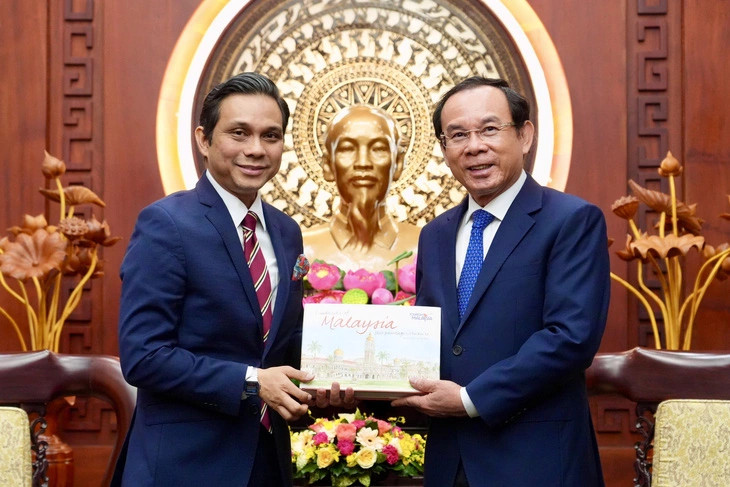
<point x="362" y="279"/>
<point x="323" y="276"/>
<point x="407" y="278"/>
<point x="381" y="296"/>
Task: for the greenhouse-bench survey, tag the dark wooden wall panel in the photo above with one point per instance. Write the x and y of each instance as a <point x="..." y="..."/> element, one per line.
<point x="23" y="107"/>
<point x="82" y="78"/>
<point x="594" y="60"/>
<point x="706" y="104"/>
<point x="134" y="65"/>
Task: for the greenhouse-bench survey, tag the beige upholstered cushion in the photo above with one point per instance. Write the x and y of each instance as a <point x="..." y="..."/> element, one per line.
<point x="15" y="453"/>
<point x="692" y="444"/>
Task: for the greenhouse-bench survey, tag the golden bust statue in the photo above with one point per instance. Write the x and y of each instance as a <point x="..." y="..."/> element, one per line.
<point x="362" y="156"/>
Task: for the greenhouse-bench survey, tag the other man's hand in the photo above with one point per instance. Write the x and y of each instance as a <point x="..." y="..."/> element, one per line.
<point x="438" y="398"/>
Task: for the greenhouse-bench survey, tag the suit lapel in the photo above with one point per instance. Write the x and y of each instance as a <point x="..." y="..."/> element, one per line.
<point x="517" y="222"/>
<point x="282" y="290"/>
<point x="447" y="240"/>
<point x="219" y="217"/>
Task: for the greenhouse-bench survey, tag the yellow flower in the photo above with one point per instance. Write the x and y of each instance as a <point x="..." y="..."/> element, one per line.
<point x="351" y="460"/>
<point x="299" y="440"/>
<point x="327" y="456"/>
<point x="366" y="457"/>
<point x="407" y="445"/>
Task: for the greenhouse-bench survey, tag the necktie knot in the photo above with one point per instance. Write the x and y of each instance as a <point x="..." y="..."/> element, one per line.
<point x="481" y="219"/>
<point x="249" y="222"/>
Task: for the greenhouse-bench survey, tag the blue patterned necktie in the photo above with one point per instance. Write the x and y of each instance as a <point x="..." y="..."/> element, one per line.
<point x="474" y="258"/>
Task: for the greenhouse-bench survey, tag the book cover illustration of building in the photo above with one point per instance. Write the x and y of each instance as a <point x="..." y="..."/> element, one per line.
<point x="373" y="349"/>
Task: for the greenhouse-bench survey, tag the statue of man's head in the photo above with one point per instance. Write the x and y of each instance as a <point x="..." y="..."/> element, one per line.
<point x="362" y="156"/>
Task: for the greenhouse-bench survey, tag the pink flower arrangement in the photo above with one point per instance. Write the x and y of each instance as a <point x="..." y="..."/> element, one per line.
<point x="362" y="286"/>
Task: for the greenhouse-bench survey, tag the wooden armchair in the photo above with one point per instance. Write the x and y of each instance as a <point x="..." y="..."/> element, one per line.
<point x="31" y="380"/>
<point x="648" y="377"/>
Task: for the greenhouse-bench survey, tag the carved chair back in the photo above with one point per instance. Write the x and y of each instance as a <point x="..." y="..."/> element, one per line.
<point x="31" y="380"/>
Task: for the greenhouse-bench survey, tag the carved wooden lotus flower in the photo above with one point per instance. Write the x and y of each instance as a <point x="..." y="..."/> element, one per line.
<point x="33" y="255"/>
<point x="678" y="233"/>
<point x="41" y="254"/>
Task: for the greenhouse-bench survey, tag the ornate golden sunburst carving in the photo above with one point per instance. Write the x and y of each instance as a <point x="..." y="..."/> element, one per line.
<point x="399" y="55"/>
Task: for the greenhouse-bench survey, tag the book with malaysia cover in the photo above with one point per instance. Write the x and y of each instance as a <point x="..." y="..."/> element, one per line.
<point x="372" y="348"/>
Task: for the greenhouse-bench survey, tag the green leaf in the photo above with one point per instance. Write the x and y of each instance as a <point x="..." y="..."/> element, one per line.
<point x="389" y="280"/>
<point x="364" y="479"/>
<point x="401" y="256"/>
<point x="317" y="475"/>
<point x="343" y="481"/>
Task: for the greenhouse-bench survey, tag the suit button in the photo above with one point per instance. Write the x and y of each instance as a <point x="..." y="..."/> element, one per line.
<point x="457" y="350"/>
<point x="254" y="409"/>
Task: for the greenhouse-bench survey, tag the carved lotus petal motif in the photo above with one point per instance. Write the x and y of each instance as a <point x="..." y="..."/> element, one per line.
<point x="75" y="195"/>
<point x="52" y="167"/>
<point x="627" y="252"/>
<point x="33" y="255"/>
<point x="625" y="207"/>
<point x="100" y="233"/>
<point x="668" y="246"/>
<point x="33" y="223"/>
<point x="662" y="202"/>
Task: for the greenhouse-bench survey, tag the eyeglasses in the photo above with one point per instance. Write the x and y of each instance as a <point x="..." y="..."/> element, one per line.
<point x="461" y="137"/>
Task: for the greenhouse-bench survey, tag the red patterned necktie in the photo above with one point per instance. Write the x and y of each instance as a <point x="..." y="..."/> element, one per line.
<point x="260" y="275"/>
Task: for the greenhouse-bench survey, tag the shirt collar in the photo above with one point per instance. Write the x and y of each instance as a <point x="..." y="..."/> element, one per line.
<point x="500" y="204"/>
<point x="235" y="207"/>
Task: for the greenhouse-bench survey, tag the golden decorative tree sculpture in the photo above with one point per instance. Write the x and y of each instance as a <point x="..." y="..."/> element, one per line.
<point x="677" y="233"/>
<point x="40" y="255"/>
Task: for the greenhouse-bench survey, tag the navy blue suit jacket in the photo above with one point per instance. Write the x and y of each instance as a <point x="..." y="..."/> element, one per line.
<point x="533" y="324"/>
<point x="189" y="326"/>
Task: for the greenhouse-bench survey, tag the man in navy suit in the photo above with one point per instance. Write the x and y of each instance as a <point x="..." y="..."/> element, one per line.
<point x="511" y="407"/>
<point x="191" y="323"/>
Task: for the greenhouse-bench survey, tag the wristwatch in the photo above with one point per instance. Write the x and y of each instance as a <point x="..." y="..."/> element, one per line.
<point x="251" y="387"/>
